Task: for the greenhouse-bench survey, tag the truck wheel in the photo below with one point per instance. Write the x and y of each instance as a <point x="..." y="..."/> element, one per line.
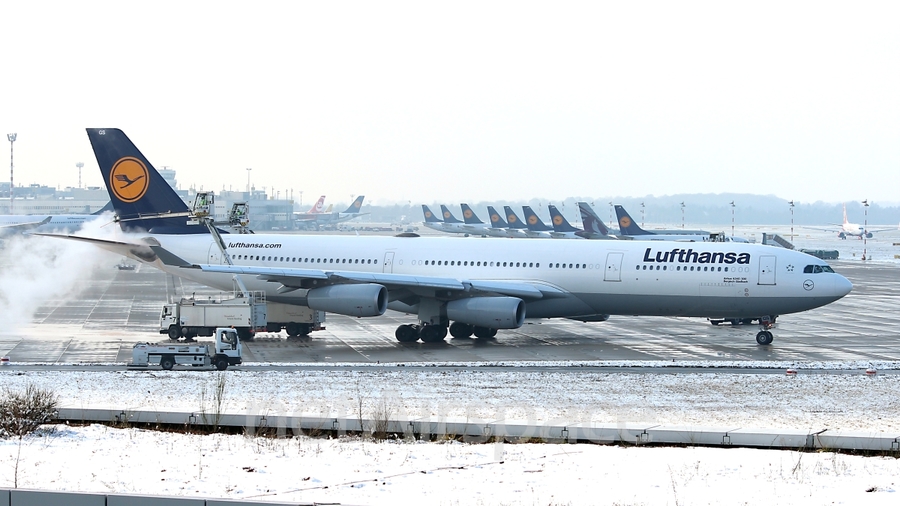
<point x="174" y="332"/>
<point x="221" y="364"/>
<point x="167" y="362"/>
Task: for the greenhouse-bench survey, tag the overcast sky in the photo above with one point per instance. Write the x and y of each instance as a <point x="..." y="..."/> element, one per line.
<point x="459" y="101"/>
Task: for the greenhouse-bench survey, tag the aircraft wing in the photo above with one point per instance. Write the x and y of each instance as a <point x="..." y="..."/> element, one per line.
<point x="140" y="251"/>
<point x="21" y="227"/>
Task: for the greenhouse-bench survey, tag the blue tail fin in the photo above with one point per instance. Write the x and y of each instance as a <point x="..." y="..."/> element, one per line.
<point x="497" y="220"/>
<point x="429" y="216"/>
<point x="533" y="221"/>
<point x="448" y="216"/>
<point x="469" y="215"/>
<point x="560" y="223"/>
<point x="513" y="220"/>
<point x="355" y="206"/>
<point x="142" y="199"/>
<point x="627" y="225"/>
<point x="593" y="225"/>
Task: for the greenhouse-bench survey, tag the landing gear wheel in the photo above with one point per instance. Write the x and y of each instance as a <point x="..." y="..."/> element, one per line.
<point x="764" y="337"/>
<point x="485" y="333"/>
<point x="406" y="334"/>
<point x="167" y="363"/>
<point x="174" y="332"/>
<point x="221" y="364"/>
<point x="461" y="330"/>
<point x="433" y="333"/>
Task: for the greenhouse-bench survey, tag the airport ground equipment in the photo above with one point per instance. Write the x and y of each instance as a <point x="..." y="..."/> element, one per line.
<point x="190" y="317"/>
<point x="295" y="320"/>
<point x="225" y="351"/>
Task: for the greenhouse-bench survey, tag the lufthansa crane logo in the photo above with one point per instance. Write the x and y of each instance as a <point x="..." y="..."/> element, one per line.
<point x="129" y="179"/>
<point x="446" y="214"/>
<point x="495" y="218"/>
<point x="532" y="220"/>
<point x="557" y="220"/>
<point x="467" y="214"/>
<point x="511" y="218"/>
<point x="808" y="285"/>
<point x="625" y="221"/>
<point x="428" y="214"/>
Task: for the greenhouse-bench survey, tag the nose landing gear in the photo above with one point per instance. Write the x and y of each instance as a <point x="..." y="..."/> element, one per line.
<point x="764" y="337"/>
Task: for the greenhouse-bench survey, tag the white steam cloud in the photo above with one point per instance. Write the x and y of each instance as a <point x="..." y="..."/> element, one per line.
<point x="34" y="269"/>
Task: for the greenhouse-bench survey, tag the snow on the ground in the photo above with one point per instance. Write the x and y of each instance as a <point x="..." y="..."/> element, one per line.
<point x="347" y="470"/>
<point x="97" y="458"/>
<point x="850" y="402"/>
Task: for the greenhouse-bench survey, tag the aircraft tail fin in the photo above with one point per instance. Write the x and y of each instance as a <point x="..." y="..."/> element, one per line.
<point x="497" y="220"/>
<point x="448" y="216"/>
<point x="469" y="215"/>
<point x="318" y="207"/>
<point x="512" y="220"/>
<point x="845" y="214"/>
<point x="592" y="223"/>
<point x="626" y="224"/>
<point x="560" y="223"/>
<point x="534" y="222"/>
<point x="429" y="216"/>
<point x="355" y="206"/>
<point x="141" y="198"/>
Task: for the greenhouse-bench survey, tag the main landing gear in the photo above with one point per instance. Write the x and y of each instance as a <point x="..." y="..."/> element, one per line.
<point x="436" y="333"/>
<point x="764" y="337"/>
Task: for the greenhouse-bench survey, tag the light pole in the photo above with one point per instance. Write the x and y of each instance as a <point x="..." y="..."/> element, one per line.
<point x="732" y="218"/>
<point x="792" y="220"/>
<point x="610" y="212"/>
<point x="301" y="197"/>
<point x="79" y="165"/>
<point x="865" y="204"/>
<point x="248" y="182"/>
<point x="12" y="139"/>
<point x="642" y="215"/>
<point x="682" y="216"/>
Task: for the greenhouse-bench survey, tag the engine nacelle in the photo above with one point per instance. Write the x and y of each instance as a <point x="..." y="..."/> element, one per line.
<point x="351" y="300"/>
<point x="489" y="312"/>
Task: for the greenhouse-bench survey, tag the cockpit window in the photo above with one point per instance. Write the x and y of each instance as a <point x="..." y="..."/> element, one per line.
<point x="827" y="268"/>
<point x="815" y="269"/>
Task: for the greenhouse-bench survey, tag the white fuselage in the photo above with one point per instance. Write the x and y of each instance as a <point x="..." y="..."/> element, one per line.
<point x="592" y="277"/>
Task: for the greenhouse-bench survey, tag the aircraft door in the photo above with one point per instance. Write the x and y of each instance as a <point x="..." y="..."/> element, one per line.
<point x="388" y="262"/>
<point x="766" y="270"/>
<point x="215" y="255"/>
<point x="613" y="267"/>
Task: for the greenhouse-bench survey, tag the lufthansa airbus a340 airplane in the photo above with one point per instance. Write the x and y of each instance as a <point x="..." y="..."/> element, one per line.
<point x="449" y="283"/>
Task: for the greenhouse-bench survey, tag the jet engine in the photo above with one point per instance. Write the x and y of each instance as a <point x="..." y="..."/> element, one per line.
<point x="351" y="300"/>
<point x="489" y="312"/>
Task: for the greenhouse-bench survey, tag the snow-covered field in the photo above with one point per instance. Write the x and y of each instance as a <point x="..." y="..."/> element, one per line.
<point x="347" y="470"/>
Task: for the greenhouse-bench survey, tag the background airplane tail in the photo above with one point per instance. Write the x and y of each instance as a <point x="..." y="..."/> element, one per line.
<point x="355" y="206"/>
<point x="627" y="224"/>
<point x="512" y="220"/>
<point x="140" y="196"/>
<point x="560" y="223"/>
<point x="448" y="216"/>
<point x="535" y="224"/>
<point x="591" y="222"/>
<point x="469" y="215"/>
<point x="497" y="220"/>
<point x="429" y="216"/>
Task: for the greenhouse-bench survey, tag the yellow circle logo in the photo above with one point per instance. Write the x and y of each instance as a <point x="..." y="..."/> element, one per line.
<point x="428" y="214"/>
<point x="129" y="179"/>
<point x="532" y="220"/>
<point x="557" y="220"/>
<point x="511" y="218"/>
<point x="495" y="218"/>
<point x="625" y="222"/>
<point x="446" y="214"/>
<point x="468" y="213"/>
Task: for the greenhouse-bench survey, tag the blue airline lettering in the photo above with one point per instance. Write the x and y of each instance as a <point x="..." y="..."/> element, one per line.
<point x="691" y="256"/>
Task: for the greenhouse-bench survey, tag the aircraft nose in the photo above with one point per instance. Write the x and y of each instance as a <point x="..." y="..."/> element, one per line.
<point x="842" y="286"/>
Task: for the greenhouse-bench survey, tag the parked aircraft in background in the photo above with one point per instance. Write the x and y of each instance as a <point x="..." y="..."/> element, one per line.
<point x="594" y="228"/>
<point x="855" y="229"/>
<point x="317" y="218"/>
<point x="317" y="209"/>
<point x="536" y="226"/>
<point x="500" y="227"/>
<point x="562" y="229"/>
<point x="627" y="226"/>
<point x="18" y="223"/>
<point x="478" y="227"/>
<point x="447" y="283"/>
<point x="454" y="226"/>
